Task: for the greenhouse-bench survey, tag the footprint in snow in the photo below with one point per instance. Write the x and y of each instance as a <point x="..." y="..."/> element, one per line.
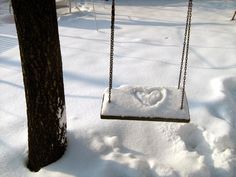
<point x="104" y="145"/>
<point x="116" y="162"/>
<point x="194" y="139"/>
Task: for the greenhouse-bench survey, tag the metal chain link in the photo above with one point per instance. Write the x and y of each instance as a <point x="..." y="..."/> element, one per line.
<point x="111" y="48"/>
<point x="187" y="50"/>
<point x="184" y="47"/>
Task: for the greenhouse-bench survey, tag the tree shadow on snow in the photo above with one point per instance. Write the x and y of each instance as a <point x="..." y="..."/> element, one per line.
<point x="11" y="84"/>
<point x="209" y="4"/>
<point x="7" y="43"/>
<point x="162" y="23"/>
<point x="151" y="3"/>
<point x="207" y="61"/>
<point x="216" y="5"/>
<point x="102" y="82"/>
<point x="82" y="96"/>
<point x="82" y="21"/>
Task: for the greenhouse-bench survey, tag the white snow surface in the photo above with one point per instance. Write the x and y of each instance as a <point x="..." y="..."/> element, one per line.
<point x="145" y="102"/>
<point x="148" y="45"/>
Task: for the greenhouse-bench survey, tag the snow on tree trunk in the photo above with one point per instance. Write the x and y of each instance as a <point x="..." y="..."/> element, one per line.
<point x="37" y="29"/>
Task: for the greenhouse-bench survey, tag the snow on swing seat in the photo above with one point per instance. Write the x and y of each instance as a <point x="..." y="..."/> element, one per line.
<point x="145" y="103"/>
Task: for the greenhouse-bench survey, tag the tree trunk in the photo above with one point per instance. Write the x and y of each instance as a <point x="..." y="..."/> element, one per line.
<point x="37" y="29"/>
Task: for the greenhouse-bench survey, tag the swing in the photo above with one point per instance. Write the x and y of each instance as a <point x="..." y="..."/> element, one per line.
<point x="167" y="104"/>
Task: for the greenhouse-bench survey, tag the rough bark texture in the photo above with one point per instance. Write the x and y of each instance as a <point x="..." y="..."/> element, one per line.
<point x="37" y="28"/>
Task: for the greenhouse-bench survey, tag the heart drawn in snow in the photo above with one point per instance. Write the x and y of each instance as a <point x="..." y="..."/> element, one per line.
<point x="149" y="97"/>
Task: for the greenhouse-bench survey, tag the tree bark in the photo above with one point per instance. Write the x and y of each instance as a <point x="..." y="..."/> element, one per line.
<point x="37" y="29"/>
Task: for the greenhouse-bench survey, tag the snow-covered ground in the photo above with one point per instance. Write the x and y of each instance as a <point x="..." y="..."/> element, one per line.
<point x="148" y="47"/>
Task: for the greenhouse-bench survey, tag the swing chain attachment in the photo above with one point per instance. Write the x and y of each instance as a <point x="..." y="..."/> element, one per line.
<point x="185" y="52"/>
<point x="111" y="48"/>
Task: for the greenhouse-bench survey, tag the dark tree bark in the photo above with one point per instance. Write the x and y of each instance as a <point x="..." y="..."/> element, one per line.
<point x="37" y="29"/>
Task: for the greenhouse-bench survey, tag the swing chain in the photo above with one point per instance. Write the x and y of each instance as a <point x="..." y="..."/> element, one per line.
<point x="184" y="47"/>
<point x="111" y="48"/>
<point x="185" y="52"/>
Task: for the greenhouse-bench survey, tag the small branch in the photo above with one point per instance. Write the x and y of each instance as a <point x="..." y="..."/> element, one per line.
<point x="233" y="18"/>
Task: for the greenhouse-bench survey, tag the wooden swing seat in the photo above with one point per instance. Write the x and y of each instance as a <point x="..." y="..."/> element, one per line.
<point x="145" y="104"/>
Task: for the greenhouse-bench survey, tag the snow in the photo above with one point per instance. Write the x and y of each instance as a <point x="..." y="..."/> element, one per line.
<point x="148" y="45"/>
<point x="145" y="102"/>
<point x="61" y="114"/>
